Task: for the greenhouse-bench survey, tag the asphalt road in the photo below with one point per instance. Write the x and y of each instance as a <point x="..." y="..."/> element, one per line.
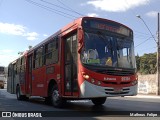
<point x="83" y="109"/>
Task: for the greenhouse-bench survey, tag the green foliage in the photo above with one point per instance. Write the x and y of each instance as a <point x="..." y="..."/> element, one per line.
<point x="146" y="64"/>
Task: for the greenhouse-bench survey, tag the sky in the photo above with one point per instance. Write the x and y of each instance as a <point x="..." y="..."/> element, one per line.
<point x="26" y="23"/>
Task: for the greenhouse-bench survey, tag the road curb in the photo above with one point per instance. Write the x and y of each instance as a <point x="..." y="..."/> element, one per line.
<point x="145" y="96"/>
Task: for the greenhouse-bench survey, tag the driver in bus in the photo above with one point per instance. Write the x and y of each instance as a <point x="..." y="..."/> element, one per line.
<point x="92" y="54"/>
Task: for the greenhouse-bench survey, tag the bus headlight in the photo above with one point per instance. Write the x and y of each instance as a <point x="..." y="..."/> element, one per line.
<point x="85" y="76"/>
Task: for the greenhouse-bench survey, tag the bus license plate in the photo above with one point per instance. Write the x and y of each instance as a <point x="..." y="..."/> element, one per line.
<point x="117" y="90"/>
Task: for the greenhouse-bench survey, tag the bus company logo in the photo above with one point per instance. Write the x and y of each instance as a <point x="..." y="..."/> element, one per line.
<point x="107" y="79"/>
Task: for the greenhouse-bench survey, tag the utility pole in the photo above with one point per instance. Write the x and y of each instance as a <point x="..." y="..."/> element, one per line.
<point x="158" y="59"/>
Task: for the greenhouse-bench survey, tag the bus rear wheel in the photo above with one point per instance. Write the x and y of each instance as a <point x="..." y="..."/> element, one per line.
<point x="19" y="96"/>
<point x="56" y="100"/>
<point x="99" y="101"/>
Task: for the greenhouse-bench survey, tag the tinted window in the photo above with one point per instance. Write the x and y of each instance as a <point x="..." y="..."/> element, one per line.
<point x="38" y="57"/>
<point x="51" y="51"/>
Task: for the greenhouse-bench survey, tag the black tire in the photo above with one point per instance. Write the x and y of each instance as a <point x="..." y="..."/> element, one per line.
<point x="19" y="96"/>
<point x="2" y="87"/>
<point x="55" y="99"/>
<point x="48" y="100"/>
<point x="99" y="101"/>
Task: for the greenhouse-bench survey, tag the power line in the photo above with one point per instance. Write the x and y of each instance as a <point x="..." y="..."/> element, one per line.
<point x="143" y="42"/>
<point x="70" y="8"/>
<point x="61" y="7"/>
<point x="40" y="5"/>
<point x="51" y="9"/>
<point x="46" y="8"/>
<point x="148" y="48"/>
<point x="140" y="36"/>
<point x="137" y="32"/>
<point x="138" y="16"/>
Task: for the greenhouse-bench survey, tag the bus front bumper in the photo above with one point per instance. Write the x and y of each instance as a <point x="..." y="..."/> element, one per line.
<point x="89" y="90"/>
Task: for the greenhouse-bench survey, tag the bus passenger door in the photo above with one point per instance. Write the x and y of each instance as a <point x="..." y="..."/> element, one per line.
<point x="14" y="83"/>
<point x="29" y="79"/>
<point x="70" y="66"/>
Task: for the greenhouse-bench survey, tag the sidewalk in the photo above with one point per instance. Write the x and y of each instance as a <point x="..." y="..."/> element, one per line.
<point x="146" y="96"/>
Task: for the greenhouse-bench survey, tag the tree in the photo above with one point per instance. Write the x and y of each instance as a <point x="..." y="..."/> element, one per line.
<point x="146" y="64"/>
<point x="138" y="62"/>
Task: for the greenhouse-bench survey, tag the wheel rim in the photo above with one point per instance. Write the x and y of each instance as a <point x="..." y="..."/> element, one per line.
<point x="55" y="95"/>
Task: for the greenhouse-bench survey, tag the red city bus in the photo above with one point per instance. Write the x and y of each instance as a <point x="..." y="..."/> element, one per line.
<point x="90" y="58"/>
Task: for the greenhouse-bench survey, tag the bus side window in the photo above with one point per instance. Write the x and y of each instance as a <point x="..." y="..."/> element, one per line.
<point x="51" y="52"/>
<point x="30" y="63"/>
<point x="15" y="69"/>
<point x="18" y="65"/>
<point x="38" y="57"/>
<point x="23" y="64"/>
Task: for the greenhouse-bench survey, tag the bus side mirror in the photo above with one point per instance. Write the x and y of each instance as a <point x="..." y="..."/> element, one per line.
<point x="80" y="39"/>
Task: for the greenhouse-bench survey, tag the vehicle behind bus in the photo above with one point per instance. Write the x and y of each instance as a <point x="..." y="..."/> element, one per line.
<point x="2" y="77"/>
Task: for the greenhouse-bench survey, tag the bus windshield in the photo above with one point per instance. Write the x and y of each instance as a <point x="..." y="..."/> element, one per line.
<point x="101" y="49"/>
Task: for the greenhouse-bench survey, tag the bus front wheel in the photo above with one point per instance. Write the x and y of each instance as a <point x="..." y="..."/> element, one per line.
<point x="56" y="100"/>
<point x="99" y="101"/>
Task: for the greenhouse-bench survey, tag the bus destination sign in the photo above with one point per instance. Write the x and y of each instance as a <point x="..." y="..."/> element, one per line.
<point x="109" y="26"/>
